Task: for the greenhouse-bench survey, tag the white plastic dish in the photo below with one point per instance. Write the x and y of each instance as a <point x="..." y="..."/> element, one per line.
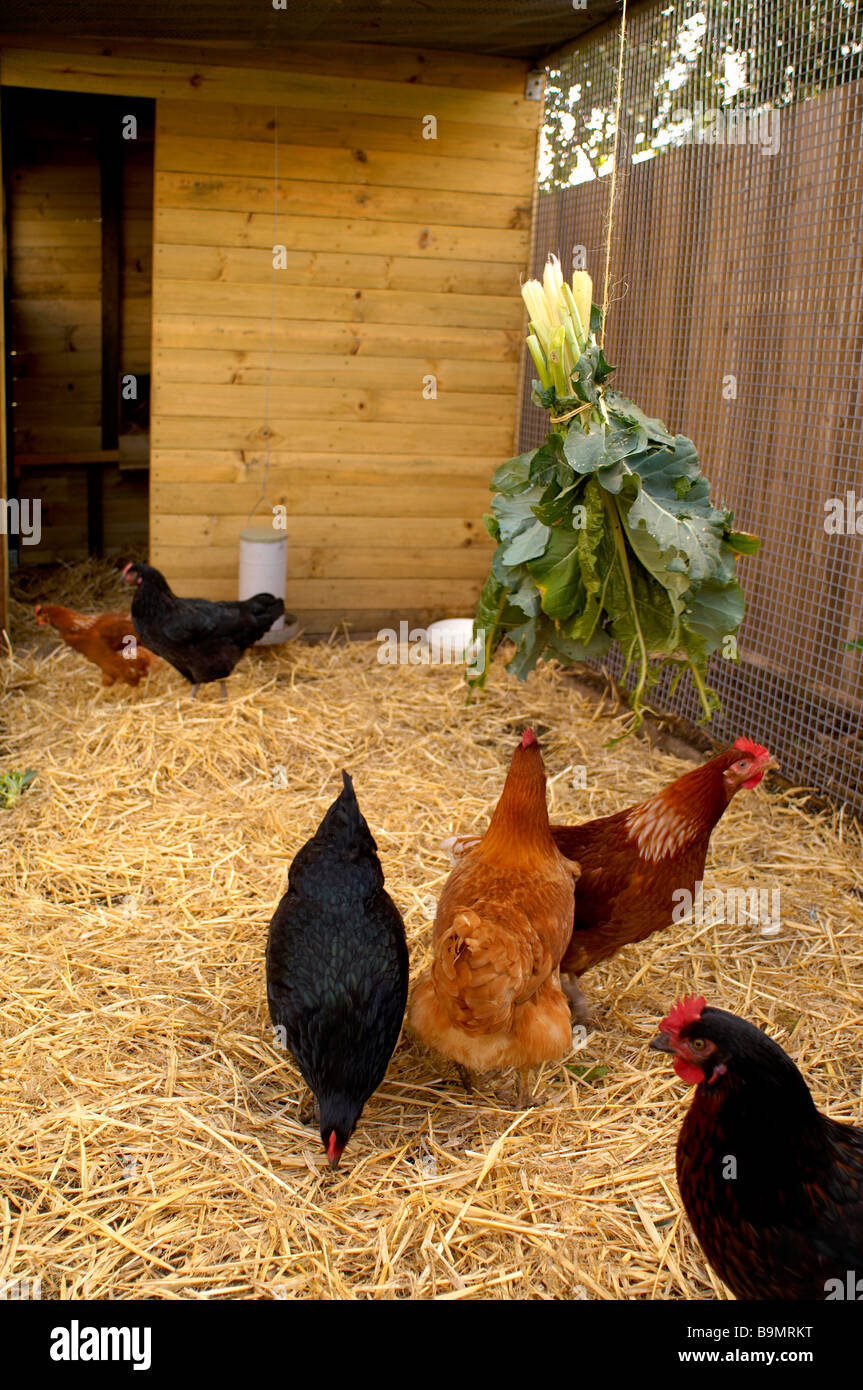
<point x="451" y="641"/>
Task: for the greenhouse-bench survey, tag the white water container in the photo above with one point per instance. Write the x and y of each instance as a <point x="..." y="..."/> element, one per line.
<point x="263" y="570"/>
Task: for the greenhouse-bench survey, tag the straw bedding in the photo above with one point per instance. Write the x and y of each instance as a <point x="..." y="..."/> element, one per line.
<point x="150" y="1144"/>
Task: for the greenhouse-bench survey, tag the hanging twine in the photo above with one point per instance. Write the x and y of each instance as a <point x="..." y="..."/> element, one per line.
<point x="571" y="414"/>
<point x="262" y="495"/>
<point x="618" y="102"/>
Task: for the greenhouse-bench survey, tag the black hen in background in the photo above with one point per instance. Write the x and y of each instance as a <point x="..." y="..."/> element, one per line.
<point x="337" y="969"/>
<point x="203" y="640"/>
<point x="773" y="1188"/>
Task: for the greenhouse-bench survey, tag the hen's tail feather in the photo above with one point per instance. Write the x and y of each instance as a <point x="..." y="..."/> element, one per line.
<point x="481" y="972"/>
<point x="265" y="606"/>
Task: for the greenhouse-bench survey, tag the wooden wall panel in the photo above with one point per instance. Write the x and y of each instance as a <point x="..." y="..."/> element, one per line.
<point x="402" y="260"/>
<point x="403" y="257"/>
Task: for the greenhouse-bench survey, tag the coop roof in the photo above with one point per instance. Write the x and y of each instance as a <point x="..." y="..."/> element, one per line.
<point x="517" y="29"/>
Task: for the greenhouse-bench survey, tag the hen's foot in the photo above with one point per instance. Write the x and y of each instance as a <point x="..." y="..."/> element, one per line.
<point x="579" y="1006"/>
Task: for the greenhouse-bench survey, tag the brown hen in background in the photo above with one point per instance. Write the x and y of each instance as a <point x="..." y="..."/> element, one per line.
<point x="107" y="639"/>
<point x="635" y="861"/>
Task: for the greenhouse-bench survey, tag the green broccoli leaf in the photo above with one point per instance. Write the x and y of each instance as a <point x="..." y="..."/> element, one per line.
<point x="607" y="533"/>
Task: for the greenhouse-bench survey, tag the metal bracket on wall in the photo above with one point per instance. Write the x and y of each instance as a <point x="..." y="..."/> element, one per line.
<point x="533" y="84"/>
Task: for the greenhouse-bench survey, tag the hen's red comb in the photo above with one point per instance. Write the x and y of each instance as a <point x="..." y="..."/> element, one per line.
<point x="752" y="750"/>
<point x="527" y="738"/>
<point x="686" y="1010"/>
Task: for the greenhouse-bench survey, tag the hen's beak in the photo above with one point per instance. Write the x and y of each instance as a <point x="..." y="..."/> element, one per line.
<point x="769" y="763"/>
<point x="125" y="573"/>
<point x="661" y="1043"/>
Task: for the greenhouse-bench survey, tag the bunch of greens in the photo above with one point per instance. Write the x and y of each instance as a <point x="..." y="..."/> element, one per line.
<point x="606" y="532"/>
<point x="12" y="784"/>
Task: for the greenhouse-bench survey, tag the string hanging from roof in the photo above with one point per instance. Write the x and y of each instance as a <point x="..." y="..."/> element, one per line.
<point x="618" y="102"/>
<point x="264" y="549"/>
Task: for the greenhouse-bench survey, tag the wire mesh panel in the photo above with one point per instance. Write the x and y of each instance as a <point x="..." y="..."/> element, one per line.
<point x="736" y="315"/>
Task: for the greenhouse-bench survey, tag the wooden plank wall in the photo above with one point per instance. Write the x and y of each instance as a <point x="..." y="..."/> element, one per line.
<point x="403" y="261"/>
<point x="55" y="310"/>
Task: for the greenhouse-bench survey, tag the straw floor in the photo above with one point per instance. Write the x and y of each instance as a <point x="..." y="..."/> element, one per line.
<point x="149" y="1139"/>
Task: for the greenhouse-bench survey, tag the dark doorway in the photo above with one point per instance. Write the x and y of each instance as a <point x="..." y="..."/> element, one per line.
<point x="78" y="174"/>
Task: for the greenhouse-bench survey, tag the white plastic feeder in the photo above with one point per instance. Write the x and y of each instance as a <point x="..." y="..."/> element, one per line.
<point x="263" y="570"/>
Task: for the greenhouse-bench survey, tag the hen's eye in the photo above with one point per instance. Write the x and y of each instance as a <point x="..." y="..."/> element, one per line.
<point x="697" y="1044"/>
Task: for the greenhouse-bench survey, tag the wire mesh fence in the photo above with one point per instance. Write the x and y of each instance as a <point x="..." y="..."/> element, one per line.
<point x="736" y="316"/>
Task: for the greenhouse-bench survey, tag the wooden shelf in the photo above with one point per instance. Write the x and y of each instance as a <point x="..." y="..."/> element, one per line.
<point x="64" y="460"/>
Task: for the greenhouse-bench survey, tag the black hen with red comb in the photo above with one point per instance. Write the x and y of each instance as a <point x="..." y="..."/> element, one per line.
<point x="201" y="638"/>
<point x="773" y="1188"/>
<point x="337" y="969"/>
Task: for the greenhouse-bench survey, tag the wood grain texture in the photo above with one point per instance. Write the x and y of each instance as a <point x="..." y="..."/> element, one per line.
<point x="402" y="260"/>
<point x="378" y="364"/>
<point x="337" y="371"/>
<point x="211" y="82"/>
<point x="357" y="234"/>
<point x="386" y="202"/>
<point x="414" y="65"/>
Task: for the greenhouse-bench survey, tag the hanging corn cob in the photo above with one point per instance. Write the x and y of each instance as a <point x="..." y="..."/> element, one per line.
<point x="606" y="532"/>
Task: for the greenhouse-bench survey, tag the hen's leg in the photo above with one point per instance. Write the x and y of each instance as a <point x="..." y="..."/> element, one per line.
<point x="579" y="1007"/>
<point x="195" y="689"/>
<point x="224" y="689"/>
<point x="465" y="1077"/>
<point x="310" y="1111"/>
<point x="526" y="1099"/>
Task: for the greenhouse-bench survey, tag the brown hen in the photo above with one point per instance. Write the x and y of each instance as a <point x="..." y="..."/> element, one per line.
<point x="107" y="639"/>
<point x="634" y="862"/>
<point x="492" y="998"/>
